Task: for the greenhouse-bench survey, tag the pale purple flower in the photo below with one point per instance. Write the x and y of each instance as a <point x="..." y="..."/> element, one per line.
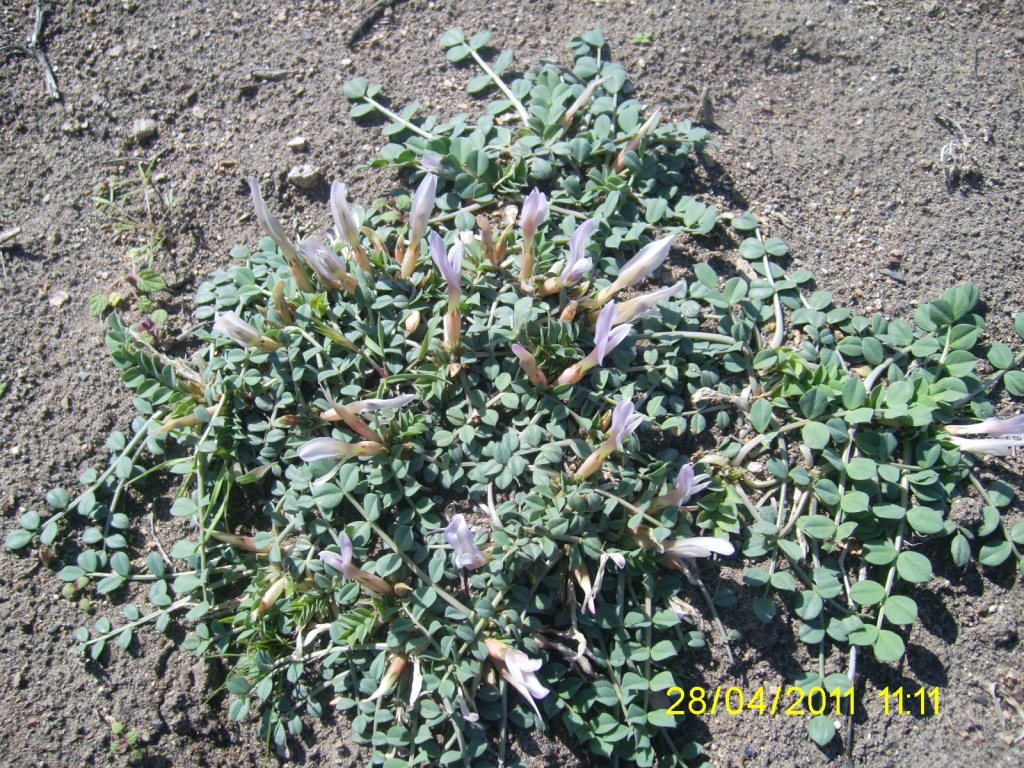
<point x="624" y="423"/>
<point x="535" y="210"/>
<point x="578" y="265"/>
<point x="341" y="563"/>
<point x="618" y="558"/>
<point x="375" y="404"/>
<point x="344" y="221"/>
<point x="697" y="546"/>
<point x="688" y="484"/>
<point x="607" y="338"/>
<point x="431" y="162"/>
<point x="231" y="325"/>
<point x="989" y="446"/>
<point x="422" y="207"/>
<point x="270" y="225"/>
<point x="645" y="306"/>
<point x="991" y="426"/>
<point x="326" y="263"/>
<point x="648" y="259"/>
<point x="449" y="263"/>
<point x="344" y="565"/>
<point x="459" y="536"/>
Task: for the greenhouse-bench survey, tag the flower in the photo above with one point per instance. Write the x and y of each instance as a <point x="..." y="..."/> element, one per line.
<point x="394" y="671"/>
<point x="578" y="265"/>
<point x="431" y="162"/>
<point x="647" y="259"/>
<point x="624" y="423"/>
<point x="991" y="446"/>
<point x="529" y="365"/>
<point x="375" y="404"/>
<point x="688" y="485"/>
<point x="268" y="223"/>
<point x="232" y="326"/>
<point x="344" y="565"/>
<point x="350" y="413"/>
<point x="606" y="339"/>
<point x="519" y="670"/>
<point x="449" y="264"/>
<point x="345" y="223"/>
<point x="273" y="229"/>
<point x="991" y="426"/>
<point x="535" y="210"/>
<point x="329" y="267"/>
<point x="643" y="306"/>
<point x="320" y="448"/>
<point x="459" y="536"/>
<point x="697" y="546"/>
<point x="422" y="205"/>
<point x="340" y="562"/>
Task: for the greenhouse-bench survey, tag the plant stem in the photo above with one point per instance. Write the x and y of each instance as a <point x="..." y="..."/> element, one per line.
<point x="523" y="114"/>
<point x="397" y="118"/>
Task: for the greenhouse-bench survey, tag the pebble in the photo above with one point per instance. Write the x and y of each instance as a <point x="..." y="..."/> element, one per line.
<point x="143" y="130"/>
<point x="59" y="299"/>
<point x="298" y="144"/>
<point x="304" y="176"/>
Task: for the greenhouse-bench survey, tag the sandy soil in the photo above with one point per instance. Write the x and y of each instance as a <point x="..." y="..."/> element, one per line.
<point x="827" y="128"/>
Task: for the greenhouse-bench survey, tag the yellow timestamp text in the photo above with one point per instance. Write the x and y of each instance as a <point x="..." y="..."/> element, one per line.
<point x="778" y="701"/>
<point x="923" y="701"/>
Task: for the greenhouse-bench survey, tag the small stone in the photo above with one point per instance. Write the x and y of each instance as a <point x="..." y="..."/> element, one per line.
<point x="65" y="403"/>
<point x="116" y="51"/>
<point x="298" y="144"/>
<point x="143" y="130"/>
<point x="304" y="176"/>
<point x="59" y="299"/>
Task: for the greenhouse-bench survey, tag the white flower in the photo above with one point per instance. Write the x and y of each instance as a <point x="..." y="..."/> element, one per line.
<point x="522" y="673"/>
<point x="648" y="259"/>
<point x="320" y="448"/>
<point x="988" y="446"/>
<point x="697" y="546"/>
<point x="375" y="404"/>
<point x="644" y="306"/>
<point x="1014" y="426"/>
<point x="231" y="325"/>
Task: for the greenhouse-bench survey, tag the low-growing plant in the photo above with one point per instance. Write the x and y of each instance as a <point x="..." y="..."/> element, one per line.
<point x="461" y="494"/>
<point x="136" y="206"/>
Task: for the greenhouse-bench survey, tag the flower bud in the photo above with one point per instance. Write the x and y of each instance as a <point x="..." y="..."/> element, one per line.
<point x="412" y="322"/>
